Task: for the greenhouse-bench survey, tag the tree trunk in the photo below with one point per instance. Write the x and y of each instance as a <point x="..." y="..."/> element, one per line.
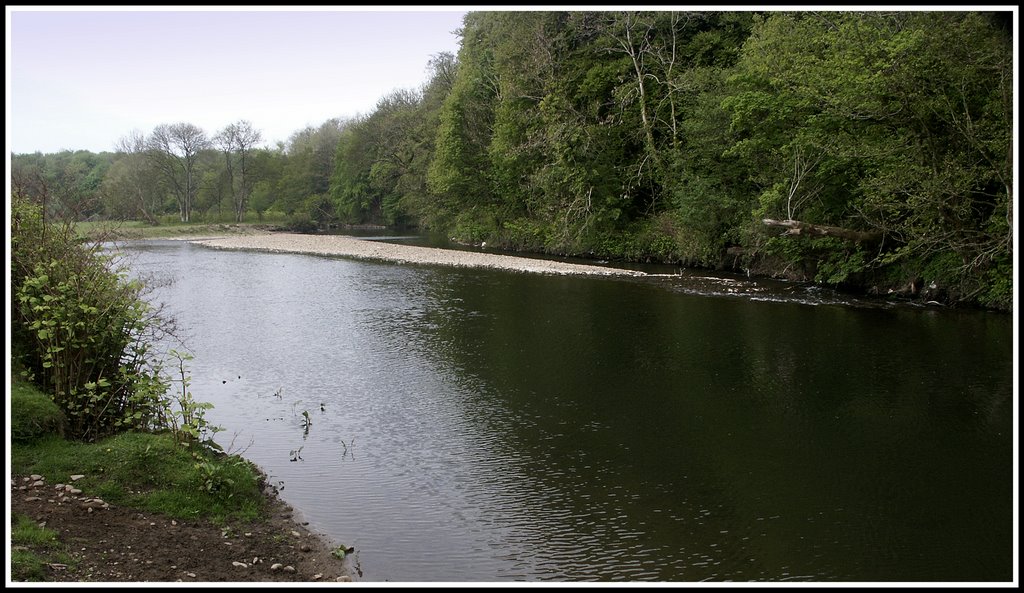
<point x="796" y="227"/>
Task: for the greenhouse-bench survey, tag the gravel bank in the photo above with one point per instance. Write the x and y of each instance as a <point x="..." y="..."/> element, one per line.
<point x="337" y="245"/>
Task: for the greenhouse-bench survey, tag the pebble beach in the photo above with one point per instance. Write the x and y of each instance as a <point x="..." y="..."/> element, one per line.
<point x="344" y="246"/>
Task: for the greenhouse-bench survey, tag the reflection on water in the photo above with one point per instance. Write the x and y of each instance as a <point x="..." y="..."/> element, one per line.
<point x="473" y="425"/>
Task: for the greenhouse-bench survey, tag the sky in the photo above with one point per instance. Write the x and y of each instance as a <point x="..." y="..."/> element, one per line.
<point x="81" y="78"/>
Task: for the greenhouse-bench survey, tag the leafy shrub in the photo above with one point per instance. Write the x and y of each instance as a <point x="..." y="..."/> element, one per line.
<point x="523" y="234"/>
<point x="82" y="329"/>
<point x="999" y="283"/>
<point x="640" y="241"/>
<point x="469" y="229"/>
<point x="302" y="222"/>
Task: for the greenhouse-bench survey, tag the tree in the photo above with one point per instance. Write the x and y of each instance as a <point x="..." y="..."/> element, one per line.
<point x="415" y="200"/>
<point x="375" y="158"/>
<point x="175" y="151"/>
<point x="267" y="164"/>
<point x="66" y="183"/>
<point x="82" y="329"/>
<point x="632" y="34"/>
<point x="308" y="164"/>
<point x="895" y="123"/>
<point x="237" y="141"/>
<point x="131" y="188"/>
<point x="457" y="175"/>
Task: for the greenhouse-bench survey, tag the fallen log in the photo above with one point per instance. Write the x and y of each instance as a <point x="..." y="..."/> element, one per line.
<point x="796" y="227"/>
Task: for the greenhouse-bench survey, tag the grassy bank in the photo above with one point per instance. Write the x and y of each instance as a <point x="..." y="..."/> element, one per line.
<point x="169" y="229"/>
<point x="147" y="472"/>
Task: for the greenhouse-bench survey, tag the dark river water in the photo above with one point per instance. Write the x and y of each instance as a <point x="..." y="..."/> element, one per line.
<point x="476" y="425"/>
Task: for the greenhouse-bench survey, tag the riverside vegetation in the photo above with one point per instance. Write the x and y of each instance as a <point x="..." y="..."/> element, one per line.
<point x="109" y="449"/>
<point x="870" y="151"/>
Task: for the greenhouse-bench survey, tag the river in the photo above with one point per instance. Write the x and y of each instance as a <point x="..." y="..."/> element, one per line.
<point x="479" y="426"/>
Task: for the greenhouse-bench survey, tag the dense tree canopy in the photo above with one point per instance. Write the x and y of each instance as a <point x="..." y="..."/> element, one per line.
<point x="872" y="150"/>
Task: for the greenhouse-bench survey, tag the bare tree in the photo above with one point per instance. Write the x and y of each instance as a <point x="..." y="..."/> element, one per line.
<point x="237" y="141"/>
<point x="632" y="34"/>
<point x="803" y="165"/>
<point x="175" y="151"/>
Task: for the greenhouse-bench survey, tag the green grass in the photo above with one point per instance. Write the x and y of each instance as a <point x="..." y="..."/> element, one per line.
<point x="24" y="531"/>
<point x="152" y="472"/>
<point x="170" y="226"/>
<point x="33" y="414"/>
<point x="30" y="564"/>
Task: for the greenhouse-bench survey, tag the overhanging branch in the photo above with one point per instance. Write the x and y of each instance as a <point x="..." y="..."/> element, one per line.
<point x="796" y="227"/>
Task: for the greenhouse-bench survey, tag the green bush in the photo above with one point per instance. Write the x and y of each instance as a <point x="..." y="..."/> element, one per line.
<point x="302" y="222"/>
<point x="642" y="241"/>
<point x="469" y="229"/>
<point x="523" y="234"/>
<point x="33" y="414"/>
<point x="82" y="329"/>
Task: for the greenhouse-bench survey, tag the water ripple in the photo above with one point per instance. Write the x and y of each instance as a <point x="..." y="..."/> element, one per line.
<point x="469" y="425"/>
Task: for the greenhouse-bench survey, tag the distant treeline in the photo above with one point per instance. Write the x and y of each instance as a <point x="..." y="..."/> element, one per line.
<point x="868" y="150"/>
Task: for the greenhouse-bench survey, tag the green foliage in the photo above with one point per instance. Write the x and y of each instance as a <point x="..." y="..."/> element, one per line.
<point x="894" y="122"/>
<point x="82" y="348"/>
<point x="320" y="209"/>
<point x="996" y="289"/>
<point x="33" y="414"/>
<point x="215" y="477"/>
<point x="84" y="333"/>
<point x="302" y="222"/>
<point x="381" y="163"/>
<point x="132" y="189"/>
<point x="523" y="234"/>
<point x="469" y="228"/>
<point x="349" y="183"/>
<point x="340" y="551"/>
<point x="188" y="422"/>
<point x="458" y="172"/>
<point x="839" y="262"/>
<point x="648" y="241"/>
<point x="708" y="216"/>
<point x="262" y="197"/>
<point x="82" y="329"/>
<point x="826" y="260"/>
<point x="69" y="180"/>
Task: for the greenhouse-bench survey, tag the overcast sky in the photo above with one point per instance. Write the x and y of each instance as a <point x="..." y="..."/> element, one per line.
<point x="82" y="79"/>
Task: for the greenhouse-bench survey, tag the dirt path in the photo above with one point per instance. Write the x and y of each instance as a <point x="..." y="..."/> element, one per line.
<point x="118" y="544"/>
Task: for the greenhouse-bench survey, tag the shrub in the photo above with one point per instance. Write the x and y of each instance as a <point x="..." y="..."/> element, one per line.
<point x="470" y="229"/>
<point x="302" y="222"/>
<point x="82" y="329"/>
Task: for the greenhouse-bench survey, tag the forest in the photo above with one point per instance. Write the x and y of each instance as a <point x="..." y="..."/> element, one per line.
<point x="869" y="151"/>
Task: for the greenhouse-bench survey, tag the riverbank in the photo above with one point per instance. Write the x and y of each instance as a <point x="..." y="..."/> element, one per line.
<point x="343" y="246"/>
<point x="102" y="512"/>
<point x="94" y="541"/>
